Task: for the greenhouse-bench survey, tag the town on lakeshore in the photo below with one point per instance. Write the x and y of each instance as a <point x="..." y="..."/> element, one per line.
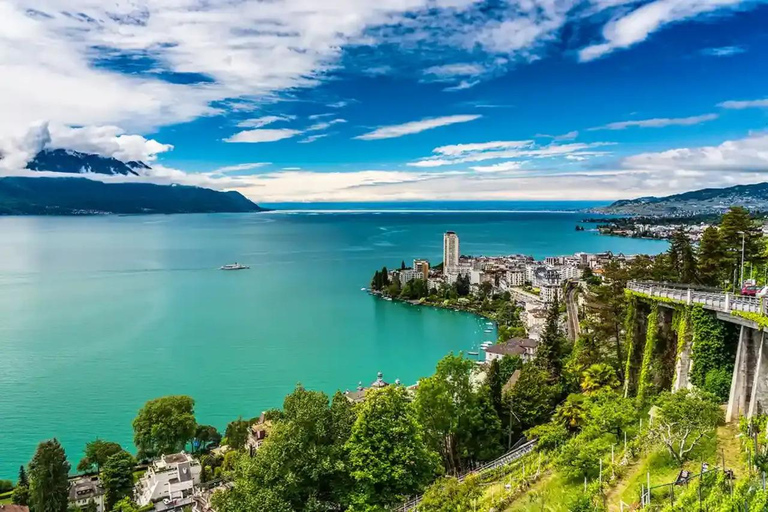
<point x="632" y="380"/>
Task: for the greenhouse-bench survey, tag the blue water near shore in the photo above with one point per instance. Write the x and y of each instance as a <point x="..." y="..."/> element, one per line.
<point x="100" y="314"/>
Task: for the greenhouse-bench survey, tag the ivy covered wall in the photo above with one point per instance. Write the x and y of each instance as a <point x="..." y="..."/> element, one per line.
<point x="714" y="352"/>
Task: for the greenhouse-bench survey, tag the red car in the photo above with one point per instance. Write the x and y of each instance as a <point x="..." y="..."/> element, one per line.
<point x="749" y="290"/>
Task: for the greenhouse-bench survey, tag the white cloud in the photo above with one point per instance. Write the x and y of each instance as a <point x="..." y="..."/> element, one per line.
<point x="500" y="167"/>
<point x="460" y="149"/>
<point x="390" y="132"/>
<point x="240" y="167"/>
<point x="472" y="153"/>
<point x="312" y="138"/>
<point x="658" y="122"/>
<point x="106" y="141"/>
<point x="260" y="122"/>
<point x="461" y="86"/>
<point x="740" y="105"/>
<point x="746" y="155"/>
<point x="635" y="27"/>
<point x="324" y="125"/>
<point x="565" y="136"/>
<point x="448" y="71"/>
<point x="258" y="136"/>
<point x="723" y="51"/>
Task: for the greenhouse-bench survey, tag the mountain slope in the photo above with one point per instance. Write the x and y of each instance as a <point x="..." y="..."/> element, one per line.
<point x="72" y="196"/>
<point x="75" y="162"/>
<point x="704" y="201"/>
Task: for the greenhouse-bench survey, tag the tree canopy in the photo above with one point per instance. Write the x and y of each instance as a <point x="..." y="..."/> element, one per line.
<point x="164" y="425"/>
<point x="117" y="478"/>
<point x="48" y="484"/>
<point x="96" y="454"/>
<point x="388" y="455"/>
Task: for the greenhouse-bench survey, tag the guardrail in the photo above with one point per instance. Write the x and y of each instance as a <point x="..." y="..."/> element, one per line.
<point x="723" y="301"/>
<point x="507" y="458"/>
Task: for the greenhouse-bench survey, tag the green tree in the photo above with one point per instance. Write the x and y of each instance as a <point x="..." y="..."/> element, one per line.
<point x="735" y="222"/>
<point x="572" y="412"/>
<point x="164" y="425"/>
<point x="711" y="258"/>
<point x="247" y="496"/>
<point x="453" y="415"/>
<point x="684" y="418"/>
<point x="117" y="478"/>
<point x="20" y="494"/>
<point x="23" y="479"/>
<point x="302" y="461"/>
<point x="551" y="349"/>
<point x="376" y="281"/>
<point x="206" y="436"/>
<point x="237" y="433"/>
<point x="96" y="454"/>
<point x="463" y="285"/>
<point x="682" y="258"/>
<point x="125" y="505"/>
<point x="608" y="411"/>
<point x="495" y="385"/>
<point x="533" y="398"/>
<point x="449" y="495"/>
<point x="599" y="376"/>
<point x="48" y="484"/>
<point x="388" y="456"/>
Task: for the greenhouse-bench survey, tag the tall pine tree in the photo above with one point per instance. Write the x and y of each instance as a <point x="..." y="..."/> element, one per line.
<point x="734" y="223"/>
<point x="682" y="259"/>
<point x="48" y="484"/>
<point x="711" y="258"/>
<point x="551" y="350"/>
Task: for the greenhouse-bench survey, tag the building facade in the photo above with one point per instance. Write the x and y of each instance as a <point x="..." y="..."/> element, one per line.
<point x="451" y="252"/>
<point x="86" y="490"/>
<point x="422" y="267"/>
<point x="523" y="347"/>
<point x="171" y="477"/>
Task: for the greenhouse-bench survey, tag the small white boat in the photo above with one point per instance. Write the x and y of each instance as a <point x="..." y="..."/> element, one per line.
<point x="363" y="289"/>
<point x="234" y="266"/>
<point x="473" y="353"/>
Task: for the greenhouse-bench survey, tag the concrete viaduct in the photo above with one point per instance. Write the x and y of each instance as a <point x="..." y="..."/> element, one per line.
<point x="749" y="384"/>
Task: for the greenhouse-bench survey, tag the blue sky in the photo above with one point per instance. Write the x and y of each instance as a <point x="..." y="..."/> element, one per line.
<point x="362" y="100"/>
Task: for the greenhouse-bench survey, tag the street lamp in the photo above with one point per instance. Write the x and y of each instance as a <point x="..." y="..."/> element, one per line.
<point x="741" y="270"/>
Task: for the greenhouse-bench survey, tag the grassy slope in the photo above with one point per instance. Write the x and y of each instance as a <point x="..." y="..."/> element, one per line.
<point x="553" y="492"/>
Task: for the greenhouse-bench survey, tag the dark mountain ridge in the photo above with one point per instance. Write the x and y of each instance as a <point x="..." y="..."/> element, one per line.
<point x="82" y="196"/>
<point x="75" y="162"/>
<point x="696" y="202"/>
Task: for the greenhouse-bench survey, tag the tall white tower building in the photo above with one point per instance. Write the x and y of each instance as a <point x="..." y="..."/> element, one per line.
<point x="450" y="252"/>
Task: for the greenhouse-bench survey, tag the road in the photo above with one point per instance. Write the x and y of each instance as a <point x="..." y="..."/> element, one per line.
<point x="573" y="312"/>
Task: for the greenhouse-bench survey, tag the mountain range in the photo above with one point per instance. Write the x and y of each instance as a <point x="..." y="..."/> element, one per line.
<point x="697" y="202"/>
<point x="45" y="195"/>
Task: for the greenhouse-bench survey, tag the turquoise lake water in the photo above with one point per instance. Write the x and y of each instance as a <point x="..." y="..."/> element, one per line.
<point x="100" y="314"/>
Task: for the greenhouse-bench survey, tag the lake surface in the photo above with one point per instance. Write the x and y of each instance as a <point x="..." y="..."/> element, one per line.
<point x="100" y="314"/>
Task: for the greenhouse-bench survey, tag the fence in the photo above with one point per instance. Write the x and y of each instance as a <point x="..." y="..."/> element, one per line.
<point x="717" y="301"/>
<point x="507" y="458"/>
<point x="707" y="480"/>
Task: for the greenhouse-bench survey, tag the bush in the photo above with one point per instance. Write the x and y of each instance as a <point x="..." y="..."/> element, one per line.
<point x="718" y="382"/>
<point x="581" y="456"/>
<point x="550" y="435"/>
<point x="5" y="486"/>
